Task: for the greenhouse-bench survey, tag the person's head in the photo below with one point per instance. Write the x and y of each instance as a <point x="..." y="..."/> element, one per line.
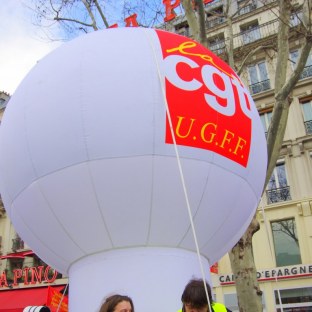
<point x="194" y="296"/>
<point x="117" y="303"/>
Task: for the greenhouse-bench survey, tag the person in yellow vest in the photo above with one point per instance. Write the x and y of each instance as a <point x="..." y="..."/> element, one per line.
<point x="194" y="298"/>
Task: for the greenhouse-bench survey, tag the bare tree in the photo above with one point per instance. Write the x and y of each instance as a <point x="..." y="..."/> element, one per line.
<point x="78" y="16"/>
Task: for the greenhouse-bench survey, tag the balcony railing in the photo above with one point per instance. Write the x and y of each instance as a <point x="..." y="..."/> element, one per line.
<point x="215" y="21"/>
<point x="249" y="36"/>
<point x="307" y="72"/>
<point x="213" y="4"/>
<point x="278" y="195"/>
<point x="217" y="48"/>
<point x="260" y="86"/>
<point x="308" y="126"/>
<point x="247" y="8"/>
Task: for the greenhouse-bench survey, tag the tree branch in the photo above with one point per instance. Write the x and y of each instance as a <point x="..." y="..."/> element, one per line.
<point x="71" y="20"/>
<point x="87" y="5"/>
<point x="101" y="13"/>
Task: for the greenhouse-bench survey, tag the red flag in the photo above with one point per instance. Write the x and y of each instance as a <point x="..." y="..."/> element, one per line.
<point x="214" y="268"/>
<point x="55" y="299"/>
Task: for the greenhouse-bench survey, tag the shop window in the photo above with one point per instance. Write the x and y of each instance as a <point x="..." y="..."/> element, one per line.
<point x="307" y="71"/>
<point x="266" y="120"/>
<point x="231" y="302"/>
<point x="307" y="116"/>
<point x="278" y="189"/>
<point x="286" y="243"/>
<point x="258" y="77"/>
<point x="250" y="32"/>
<point x="294" y="300"/>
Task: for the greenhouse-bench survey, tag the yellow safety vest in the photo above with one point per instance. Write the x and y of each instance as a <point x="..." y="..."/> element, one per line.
<point x="217" y="307"/>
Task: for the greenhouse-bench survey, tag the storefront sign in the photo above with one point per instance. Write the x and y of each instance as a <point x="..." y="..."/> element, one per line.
<point x="31" y="275"/>
<point x="272" y="274"/>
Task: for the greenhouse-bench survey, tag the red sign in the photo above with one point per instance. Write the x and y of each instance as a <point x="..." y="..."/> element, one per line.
<point x="30" y="275"/>
<point x="208" y="105"/>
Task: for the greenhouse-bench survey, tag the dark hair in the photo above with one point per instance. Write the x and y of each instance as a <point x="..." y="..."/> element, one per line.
<point x="111" y="302"/>
<point x="194" y="294"/>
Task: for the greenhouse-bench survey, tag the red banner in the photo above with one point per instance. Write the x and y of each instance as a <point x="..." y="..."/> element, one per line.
<point x="208" y="105"/>
<point x="56" y="300"/>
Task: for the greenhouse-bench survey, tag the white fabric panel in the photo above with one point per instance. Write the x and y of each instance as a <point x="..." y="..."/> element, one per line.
<point x="44" y="224"/>
<point x="123" y="188"/>
<point x="170" y="218"/>
<point x="16" y="166"/>
<point x="210" y="220"/>
<point x="40" y="247"/>
<point x="122" y="114"/>
<point x="52" y="119"/>
<point x="77" y="208"/>
<point x="241" y="208"/>
<point x="144" y="274"/>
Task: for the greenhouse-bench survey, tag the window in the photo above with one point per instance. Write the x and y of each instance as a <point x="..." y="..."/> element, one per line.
<point x="307" y="116"/>
<point x="295" y="18"/>
<point x="307" y="71"/>
<point x="2" y="103"/>
<point x="258" y="77"/>
<point x="17" y="243"/>
<point x="215" y="17"/>
<point x="278" y="189"/>
<point x="231" y="302"/>
<point x="183" y="29"/>
<point x="245" y="7"/>
<point x="217" y="44"/>
<point x="266" y="119"/>
<point x="250" y="32"/>
<point x="286" y="243"/>
<point x="293" y="300"/>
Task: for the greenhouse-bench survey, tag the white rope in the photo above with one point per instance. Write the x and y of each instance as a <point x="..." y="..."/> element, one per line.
<point x="271" y="250"/>
<point x="180" y="170"/>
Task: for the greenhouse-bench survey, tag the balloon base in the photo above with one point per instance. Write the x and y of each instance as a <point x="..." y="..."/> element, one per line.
<point x="153" y="277"/>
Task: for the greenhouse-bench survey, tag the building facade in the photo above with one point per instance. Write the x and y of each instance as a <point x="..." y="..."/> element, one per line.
<point x="283" y="246"/>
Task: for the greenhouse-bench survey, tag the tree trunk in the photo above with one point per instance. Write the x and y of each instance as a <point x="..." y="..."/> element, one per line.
<point x="191" y="18"/>
<point x="245" y="274"/>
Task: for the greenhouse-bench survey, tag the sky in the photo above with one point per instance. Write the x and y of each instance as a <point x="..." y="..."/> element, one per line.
<point x="23" y="44"/>
<point x="20" y="44"/>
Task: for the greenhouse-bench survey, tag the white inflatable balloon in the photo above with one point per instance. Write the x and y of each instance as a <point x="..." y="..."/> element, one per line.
<point x="94" y="182"/>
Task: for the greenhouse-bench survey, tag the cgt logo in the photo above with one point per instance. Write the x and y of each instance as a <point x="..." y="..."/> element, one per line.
<point x="208" y="105"/>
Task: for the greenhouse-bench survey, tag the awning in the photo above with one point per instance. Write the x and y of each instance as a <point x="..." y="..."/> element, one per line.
<point x="12" y="257"/>
<point x="18" y="255"/>
<point x="15" y="300"/>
